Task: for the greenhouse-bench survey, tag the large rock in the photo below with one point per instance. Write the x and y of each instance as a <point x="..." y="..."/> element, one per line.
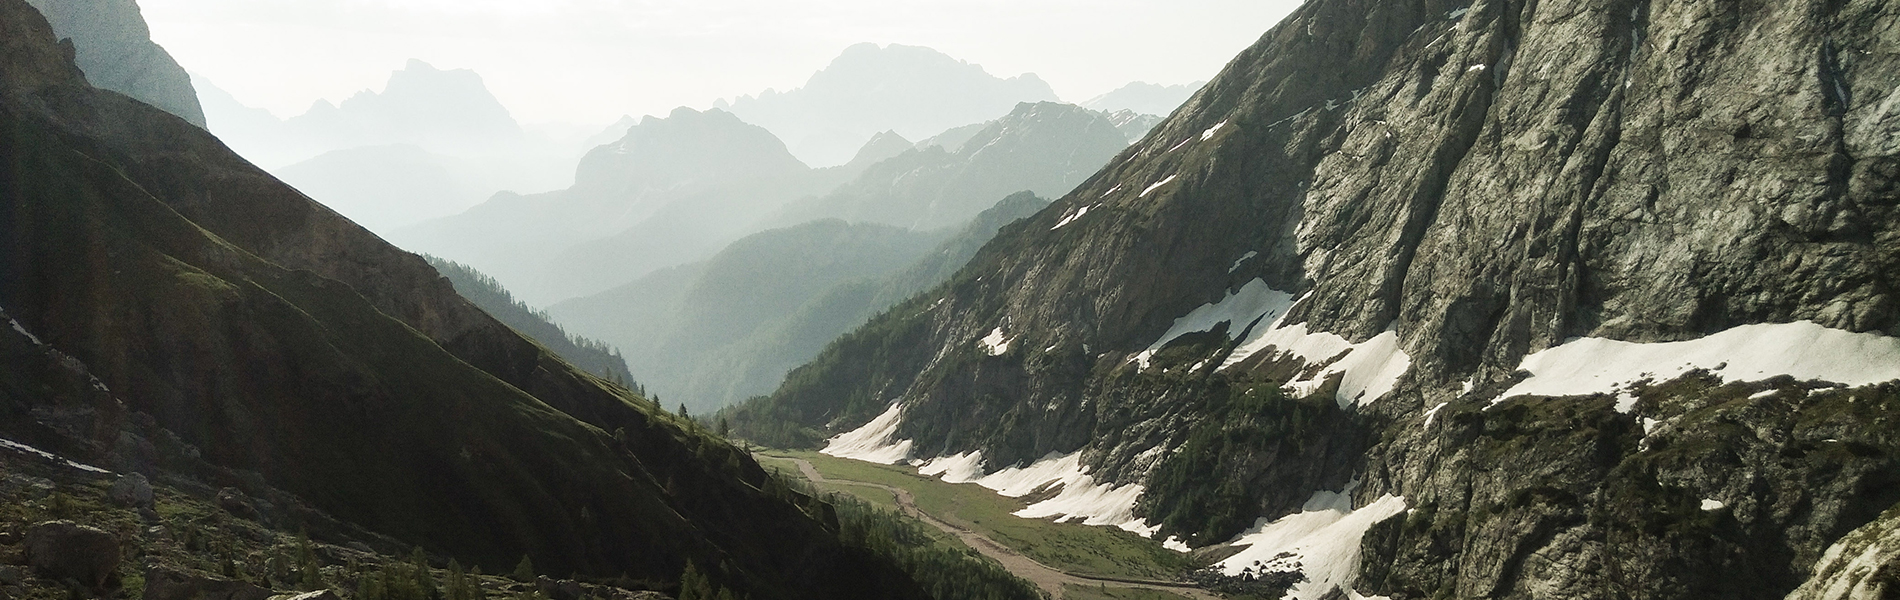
<point x="67" y="550"/>
<point x="170" y="584"/>
<point x="132" y="490"/>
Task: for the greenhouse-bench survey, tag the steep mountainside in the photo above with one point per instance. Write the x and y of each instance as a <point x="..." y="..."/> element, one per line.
<point x="115" y="49"/>
<point x="1503" y="299"/>
<point x="596" y="357"/>
<point x="1045" y="147"/>
<point x="716" y="332"/>
<point x="286" y="344"/>
<point x="914" y="90"/>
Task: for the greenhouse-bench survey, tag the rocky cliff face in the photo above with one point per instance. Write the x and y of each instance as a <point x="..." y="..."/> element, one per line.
<point x="143" y="260"/>
<point x="115" y="50"/>
<point x="1519" y="276"/>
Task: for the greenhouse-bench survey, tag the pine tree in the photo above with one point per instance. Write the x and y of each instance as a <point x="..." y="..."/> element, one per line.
<point x="524" y="570"/>
<point x="683" y="414"/>
<point x="311" y="573"/>
<point x="425" y="580"/>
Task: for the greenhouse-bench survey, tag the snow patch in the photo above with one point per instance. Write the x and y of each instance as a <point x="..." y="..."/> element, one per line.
<point x="1475" y="68"/>
<point x="6" y="443"/>
<point x="962" y="467"/>
<point x="1070" y="218"/>
<point x="1178" y="146"/>
<point x="1175" y="544"/>
<point x="872" y="442"/>
<point x="1081" y="498"/>
<point x="1763" y="394"/>
<point x="1321" y="542"/>
<point x="1117" y="188"/>
<point x="1243" y="258"/>
<point x="1209" y="134"/>
<point x="22" y="329"/>
<point x="994" y="343"/>
<point x="1712" y="504"/>
<point x="1803" y="350"/>
<point x="1433" y="414"/>
<point x="1144" y="193"/>
<point x="1254" y="301"/>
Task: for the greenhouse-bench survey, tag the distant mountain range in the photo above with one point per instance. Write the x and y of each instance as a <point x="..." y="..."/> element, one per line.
<point x="432" y="143"/>
<point x="714" y="332"/>
<point x="1145" y="98"/>
<point x="913" y="90"/>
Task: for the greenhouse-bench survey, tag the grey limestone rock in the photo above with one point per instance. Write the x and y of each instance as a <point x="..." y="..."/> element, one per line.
<point x="67" y="550"/>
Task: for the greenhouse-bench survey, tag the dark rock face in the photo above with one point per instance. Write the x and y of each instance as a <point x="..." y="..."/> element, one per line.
<point x="115" y="50"/>
<point x="1483" y="181"/>
<point x="65" y="550"/>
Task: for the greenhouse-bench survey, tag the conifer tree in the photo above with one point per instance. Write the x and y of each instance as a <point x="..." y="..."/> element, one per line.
<point x="524" y="570"/>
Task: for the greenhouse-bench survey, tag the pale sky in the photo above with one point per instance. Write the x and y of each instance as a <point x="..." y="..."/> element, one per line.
<point x="590" y="61"/>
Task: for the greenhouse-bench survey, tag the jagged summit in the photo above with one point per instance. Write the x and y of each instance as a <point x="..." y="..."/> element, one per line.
<point x="914" y="90"/>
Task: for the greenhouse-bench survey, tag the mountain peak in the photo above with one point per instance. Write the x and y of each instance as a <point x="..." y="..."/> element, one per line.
<point x="913" y="90"/>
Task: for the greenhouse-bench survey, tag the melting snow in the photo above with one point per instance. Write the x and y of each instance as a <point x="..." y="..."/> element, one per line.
<point x="1322" y="542"/>
<point x="1801" y="349"/>
<point x="1081" y="497"/>
<point x="29" y="335"/>
<point x="1433" y="414"/>
<point x="1763" y="394"/>
<point x="1178" y="146"/>
<point x="1066" y="219"/>
<point x="1238" y="309"/>
<point x="1475" y="68"/>
<point x="1711" y="504"/>
<point x="872" y="442"/>
<point x="1144" y="193"/>
<point x="6" y="443"/>
<point x="1209" y="134"/>
<point x="1243" y="258"/>
<point x="1117" y="188"/>
<point x="1175" y="544"/>
<point x="994" y="342"/>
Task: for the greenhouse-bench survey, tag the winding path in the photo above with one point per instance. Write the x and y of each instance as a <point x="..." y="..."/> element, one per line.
<point x="1049" y="579"/>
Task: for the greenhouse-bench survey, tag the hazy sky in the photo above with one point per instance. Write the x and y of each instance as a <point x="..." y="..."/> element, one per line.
<point x="589" y="61"/>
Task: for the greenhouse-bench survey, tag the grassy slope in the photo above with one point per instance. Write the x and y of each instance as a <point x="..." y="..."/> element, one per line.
<point x="1081" y="549"/>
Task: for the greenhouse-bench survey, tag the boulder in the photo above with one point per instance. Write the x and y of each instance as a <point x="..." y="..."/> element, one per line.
<point x="233" y="501"/>
<point x="162" y="583"/>
<point x="132" y="491"/>
<point x="67" y="550"/>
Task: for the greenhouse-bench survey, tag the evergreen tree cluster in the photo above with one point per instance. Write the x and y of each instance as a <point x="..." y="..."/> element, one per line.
<point x="595" y="356"/>
<point x="944" y="572"/>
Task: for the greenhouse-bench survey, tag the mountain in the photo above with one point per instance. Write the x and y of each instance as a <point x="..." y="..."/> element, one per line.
<point x="150" y="268"/>
<point x="433" y="143"/>
<point x="913" y="90"/>
<point x="712" y="333"/>
<point x="114" y="48"/>
<point x="595" y="357"/>
<point x="1426" y="299"/>
<point x="1145" y="98"/>
<point x="386" y="187"/>
<point x="672" y="190"/>
<point x="1044" y="147"/>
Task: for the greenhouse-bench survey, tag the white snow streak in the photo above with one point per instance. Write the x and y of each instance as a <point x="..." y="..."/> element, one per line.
<point x="1801" y="349"/>
<point x="994" y="343"/>
<point x="1712" y="504"/>
<point x="1243" y="258"/>
<point x="872" y="442"/>
<point x="1433" y="414"/>
<point x="1238" y="309"/>
<point x="1209" y="134"/>
<point x="6" y="443"/>
<point x="1117" y="188"/>
<point x="29" y="335"/>
<point x="1071" y="217"/>
<point x="1322" y="542"/>
<point x="1144" y="193"/>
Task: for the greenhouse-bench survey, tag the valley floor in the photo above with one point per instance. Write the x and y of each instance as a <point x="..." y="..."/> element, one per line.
<point x="1069" y="561"/>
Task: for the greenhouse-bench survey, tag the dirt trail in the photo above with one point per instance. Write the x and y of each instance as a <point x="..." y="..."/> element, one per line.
<point x="1045" y="577"/>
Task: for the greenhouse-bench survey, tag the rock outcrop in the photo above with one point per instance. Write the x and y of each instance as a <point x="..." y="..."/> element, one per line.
<point x="116" y="51"/>
<point x="66" y="550"/>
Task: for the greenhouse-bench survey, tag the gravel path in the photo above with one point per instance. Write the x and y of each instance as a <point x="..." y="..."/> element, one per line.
<point x="1045" y="577"/>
